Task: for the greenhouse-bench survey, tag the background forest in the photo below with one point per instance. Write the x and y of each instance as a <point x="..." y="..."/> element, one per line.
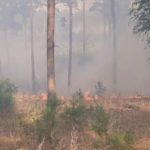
<point x="89" y="66"/>
<point x="74" y="75"/>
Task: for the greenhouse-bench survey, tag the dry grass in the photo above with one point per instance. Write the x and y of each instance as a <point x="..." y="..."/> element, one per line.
<point x="143" y="144"/>
<point x="126" y="116"/>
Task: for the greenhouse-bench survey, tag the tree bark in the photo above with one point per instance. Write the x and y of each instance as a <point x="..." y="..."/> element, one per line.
<point x="26" y="53"/>
<point x="0" y="68"/>
<point x="113" y="12"/>
<point x="33" y="79"/>
<point x="104" y="19"/>
<point x="51" y="49"/>
<point x="25" y="43"/>
<point x="70" y="45"/>
<point x="84" y="28"/>
<point x="7" y="50"/>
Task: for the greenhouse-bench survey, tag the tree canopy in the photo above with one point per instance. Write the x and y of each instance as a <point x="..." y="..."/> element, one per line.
<point x="141" y="16"/>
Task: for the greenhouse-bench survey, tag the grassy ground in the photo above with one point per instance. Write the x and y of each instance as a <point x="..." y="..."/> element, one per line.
<point x="17" y="131"/>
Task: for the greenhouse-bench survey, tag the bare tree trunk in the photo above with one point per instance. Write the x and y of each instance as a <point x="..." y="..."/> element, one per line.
<point x="109" y="30"/>
<point x="0" y="68"/>
<point x="25" y="43"/>
<point x="84" y="28"/>
<point x="26" y="51"/>
<point x="109" y="21"/>
<point x="33" y="82"/>
<point x="70" y="45"/>
<point x="104" y="19"/>
<point x="113" y="12"/>
<point x="7" y="51"/>
<point x="51" y="49"/>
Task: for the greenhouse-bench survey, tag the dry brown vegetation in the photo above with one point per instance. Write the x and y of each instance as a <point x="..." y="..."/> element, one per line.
<point x="127" y="115"/>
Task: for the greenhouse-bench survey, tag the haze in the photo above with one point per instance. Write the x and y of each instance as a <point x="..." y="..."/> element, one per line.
<point x="133" y="72"/>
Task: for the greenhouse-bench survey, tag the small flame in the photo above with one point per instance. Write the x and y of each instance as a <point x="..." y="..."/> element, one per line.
<point x="88" y="96"/>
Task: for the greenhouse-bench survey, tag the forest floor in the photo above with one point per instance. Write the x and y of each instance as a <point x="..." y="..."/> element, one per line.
<point x="131" y="115"/>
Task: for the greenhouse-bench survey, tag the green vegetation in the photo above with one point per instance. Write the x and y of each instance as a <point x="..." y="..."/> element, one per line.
<point x="122" y="141"/>
<point x="75" y="113"/>
<point x="140" y="14"/>
<point x="47" y="122"/>
<point x="7" y="89"/>
<point x="100" y="120"/>
<point x="73" y="123"/>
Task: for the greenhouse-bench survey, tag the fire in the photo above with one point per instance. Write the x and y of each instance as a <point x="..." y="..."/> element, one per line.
<point x="88" y="96"/>
<point x="43" y="96"/>
<point x="62" y="98"/>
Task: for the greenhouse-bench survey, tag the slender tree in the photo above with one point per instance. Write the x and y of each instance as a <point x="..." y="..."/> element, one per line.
<point x="50" y="49"/>
<point x="0" y="68"/>
<point x="70" y="44"/>
<point x="105" y="24"/>
<point x="108" y="9"/>
<point x="27" y="8"/>
<point x="103" y="7"/>
<point x="114" y="47"/>
<point x="84" y="31"/>
<point x="33" y="79"/>
<point x="7" y="49"/>
<point x="26" y="51"/>
<point x="70" y="4"/>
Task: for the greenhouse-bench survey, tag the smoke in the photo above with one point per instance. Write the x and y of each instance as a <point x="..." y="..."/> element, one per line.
<point x="132" y="68"/>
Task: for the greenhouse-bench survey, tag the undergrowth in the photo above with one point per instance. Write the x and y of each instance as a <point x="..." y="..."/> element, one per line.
<point x="7" y="90"/>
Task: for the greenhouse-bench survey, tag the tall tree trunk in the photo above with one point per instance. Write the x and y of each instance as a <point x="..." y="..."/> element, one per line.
<point x="109" y="21"/>
<point x="26" y="51"/>
<point x="7" y="50"/>
<point x="0" y="68"/>
<point x="33" y="82"/>
<point x="25" y="43"/>
<point x="51" y="49"/>
<point x="84" y="27"/>
<point x="109" y="29"/>
<point x="70" y="44"/>
<point x="104" y="19"/>
<point x="113" y="12"/>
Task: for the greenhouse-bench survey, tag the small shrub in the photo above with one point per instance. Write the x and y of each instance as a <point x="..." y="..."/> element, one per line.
<point x="100" y="89"/>
<point x="100" y="120"/>
<point x="75" y="113"/>
<point x="7" y="89"/>
<point x="78" y="96"/>
<point x="97" y="145"/>
<point x="47" y="121"/>
<point x="122" y="141"/>
<point x="131" y="106"/>
<point x="45" y="125"/>
<point x="52" y="103"/>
